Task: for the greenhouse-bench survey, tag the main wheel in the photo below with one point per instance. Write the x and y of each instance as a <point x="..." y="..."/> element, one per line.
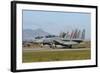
<point x="70" y="46"/>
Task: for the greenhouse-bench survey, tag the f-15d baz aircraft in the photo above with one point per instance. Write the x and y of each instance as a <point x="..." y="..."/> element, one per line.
<point x="64" y="39"/>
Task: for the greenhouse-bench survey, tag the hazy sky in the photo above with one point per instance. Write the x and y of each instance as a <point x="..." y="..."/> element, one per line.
<point x="56" y="22"/>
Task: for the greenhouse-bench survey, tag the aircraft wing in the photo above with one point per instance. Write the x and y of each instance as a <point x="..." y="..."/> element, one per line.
<point x="60" y="42"/>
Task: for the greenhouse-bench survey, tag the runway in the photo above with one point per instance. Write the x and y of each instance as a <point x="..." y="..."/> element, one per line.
<point x="51" y="49"/>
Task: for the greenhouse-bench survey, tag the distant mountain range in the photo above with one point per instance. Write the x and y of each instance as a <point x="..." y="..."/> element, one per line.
<point x="29" y="34"/>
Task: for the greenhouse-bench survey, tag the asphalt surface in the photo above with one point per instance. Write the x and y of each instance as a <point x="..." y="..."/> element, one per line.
<point x="51" y="49"/>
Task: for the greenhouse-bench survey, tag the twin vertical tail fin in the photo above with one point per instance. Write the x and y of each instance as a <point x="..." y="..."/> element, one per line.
<point x="75" y="34"/>
<point x="78" y="34"/>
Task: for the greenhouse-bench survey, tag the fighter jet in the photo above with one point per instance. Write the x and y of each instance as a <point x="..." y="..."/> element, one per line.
<point x="64" y="39"/>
